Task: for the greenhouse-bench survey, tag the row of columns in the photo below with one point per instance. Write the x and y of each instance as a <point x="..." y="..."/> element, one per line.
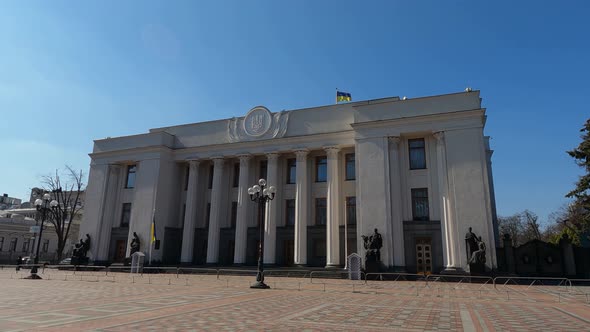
<point x="301" y="210"/>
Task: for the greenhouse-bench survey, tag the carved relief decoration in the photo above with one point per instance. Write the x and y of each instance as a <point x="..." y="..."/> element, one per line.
<point x="259" y="123"/>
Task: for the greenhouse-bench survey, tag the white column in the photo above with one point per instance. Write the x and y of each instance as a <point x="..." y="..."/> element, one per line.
<point x="333" y="209"/>
<point x="301" y="199"/>
<point x="242" y="217"/>
<point x="397" y="228"/>
<point x="448" y="234"/>
<point x="214" y="215"/>
<point x="110" y="206"/>
<point x="270" y="222"/>
<point x="188" y="231"/>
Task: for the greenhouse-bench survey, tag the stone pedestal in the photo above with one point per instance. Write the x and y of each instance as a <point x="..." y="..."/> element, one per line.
<point x="477" y="269"/>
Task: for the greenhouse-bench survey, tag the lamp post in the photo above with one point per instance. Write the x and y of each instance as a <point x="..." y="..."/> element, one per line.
<point x="261" y="194"/>
<point x="44" y="206"/>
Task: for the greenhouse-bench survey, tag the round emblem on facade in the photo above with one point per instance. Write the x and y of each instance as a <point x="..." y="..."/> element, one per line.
<point x="257" y="122"/>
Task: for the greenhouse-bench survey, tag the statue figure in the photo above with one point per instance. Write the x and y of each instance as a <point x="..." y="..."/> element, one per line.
<point x="479" y="256"/>
<point x="80" y="252"/>
<point x="135" y="243"/>
<point x="470" y="243"/>
<point x="373" y="244"/>
<point x="85" y="246"/>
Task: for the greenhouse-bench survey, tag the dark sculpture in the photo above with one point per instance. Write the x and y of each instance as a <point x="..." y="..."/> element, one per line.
<point x="476" y="252"/>
<point x="79" y="256"/>
<point x="373" y="244"/>
<point x="470" y="244"/>
<point x="135" y="243"/>
<point x="479" y="256"/>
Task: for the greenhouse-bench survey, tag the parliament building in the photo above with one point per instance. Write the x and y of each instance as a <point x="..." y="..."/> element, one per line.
<point x="417" y="169"/>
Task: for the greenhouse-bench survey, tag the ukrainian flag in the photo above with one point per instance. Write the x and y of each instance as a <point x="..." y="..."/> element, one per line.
<point x="153" y="230"/>
<point x="343" y="96"/>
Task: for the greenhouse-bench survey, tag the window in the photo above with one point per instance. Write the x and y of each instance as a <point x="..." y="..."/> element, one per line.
<point x="208" y="215"/>
<point x="13" y="243"/>
<point x="320" y="211"/>
<point x="186" y="175"/>
<point x="289" y="212"/>
<point x="126" y="214"/>
<point x="1" y="242"/>
<point x="351" y="210"/>
<point x="210" y="184"/>
<point x="45" y="245"/>
<point x="350" y="167"/>
<point x="236" y="175"/>
<point x="291" y="171"/>
<point x="26" y="245"/>
<point x="420" y="204"/>
<point x="417" y="153"/>
<point x="131" y="171"/>
<point x="321" y="169"/>
<point x="234" y="214"/>
<point x="263" y="169"/>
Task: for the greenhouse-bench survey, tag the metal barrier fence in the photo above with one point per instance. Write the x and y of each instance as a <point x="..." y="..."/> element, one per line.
<point x="506" y="287"/>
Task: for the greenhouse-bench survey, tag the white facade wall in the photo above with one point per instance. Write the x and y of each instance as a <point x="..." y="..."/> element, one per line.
<point x="377" y="131"/>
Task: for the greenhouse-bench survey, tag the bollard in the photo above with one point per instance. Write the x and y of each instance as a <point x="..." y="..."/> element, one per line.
<point x="300" y="289"/>
<point x="324" y="287"/>
<point x="508" y="295"/>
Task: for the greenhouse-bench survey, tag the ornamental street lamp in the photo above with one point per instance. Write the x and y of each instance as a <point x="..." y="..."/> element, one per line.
<point x="45" y="205"/>
<point x="261" y="194"/>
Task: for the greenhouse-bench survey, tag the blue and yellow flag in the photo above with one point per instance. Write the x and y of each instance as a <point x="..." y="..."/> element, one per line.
<point x="153" y="237"/>
<point x="343" y="96"/>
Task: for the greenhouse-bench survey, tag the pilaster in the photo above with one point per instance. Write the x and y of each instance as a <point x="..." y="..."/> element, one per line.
<point x="397" y="227"/>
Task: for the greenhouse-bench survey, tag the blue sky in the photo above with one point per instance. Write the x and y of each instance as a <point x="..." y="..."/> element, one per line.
<point x="74" y="71"/>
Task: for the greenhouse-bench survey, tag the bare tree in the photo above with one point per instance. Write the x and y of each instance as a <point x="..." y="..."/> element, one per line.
<point x="532" y="229"/>
<point x="511" y="225"/>
<point x="68" y="195"/>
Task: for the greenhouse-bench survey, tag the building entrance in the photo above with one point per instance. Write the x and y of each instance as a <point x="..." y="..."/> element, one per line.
<point x="288" y="252"/>
<point x="120" y="249"/>
<point x="424" y="256"/>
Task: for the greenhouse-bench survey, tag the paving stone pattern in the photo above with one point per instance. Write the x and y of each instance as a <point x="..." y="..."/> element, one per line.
<point x="93" y="302"/>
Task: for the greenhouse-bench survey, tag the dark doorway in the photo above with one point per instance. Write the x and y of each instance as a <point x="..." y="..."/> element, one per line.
<point x="120" y="249"/>
<point x="288" y="252"/>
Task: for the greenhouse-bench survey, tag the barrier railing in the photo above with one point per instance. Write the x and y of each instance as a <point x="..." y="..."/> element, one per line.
<point x="530" y="281"/>
<point x="397" y="276"/>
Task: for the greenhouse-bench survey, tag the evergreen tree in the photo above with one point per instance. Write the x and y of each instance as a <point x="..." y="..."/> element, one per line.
<point x="579" y="218"/>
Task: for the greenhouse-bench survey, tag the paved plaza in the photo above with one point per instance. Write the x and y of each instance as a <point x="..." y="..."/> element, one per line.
<point x="97" y="301"/>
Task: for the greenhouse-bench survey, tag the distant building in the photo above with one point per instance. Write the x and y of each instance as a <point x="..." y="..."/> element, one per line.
<point x="418" y="170"/>
<point x="16" y="238"/>
<point x="9" y="202"/>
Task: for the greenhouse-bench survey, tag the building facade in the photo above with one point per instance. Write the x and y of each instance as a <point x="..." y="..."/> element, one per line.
<point x="418" y="170"/>
<point x="7" y="202"/>
<point x="17" y="240"/>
